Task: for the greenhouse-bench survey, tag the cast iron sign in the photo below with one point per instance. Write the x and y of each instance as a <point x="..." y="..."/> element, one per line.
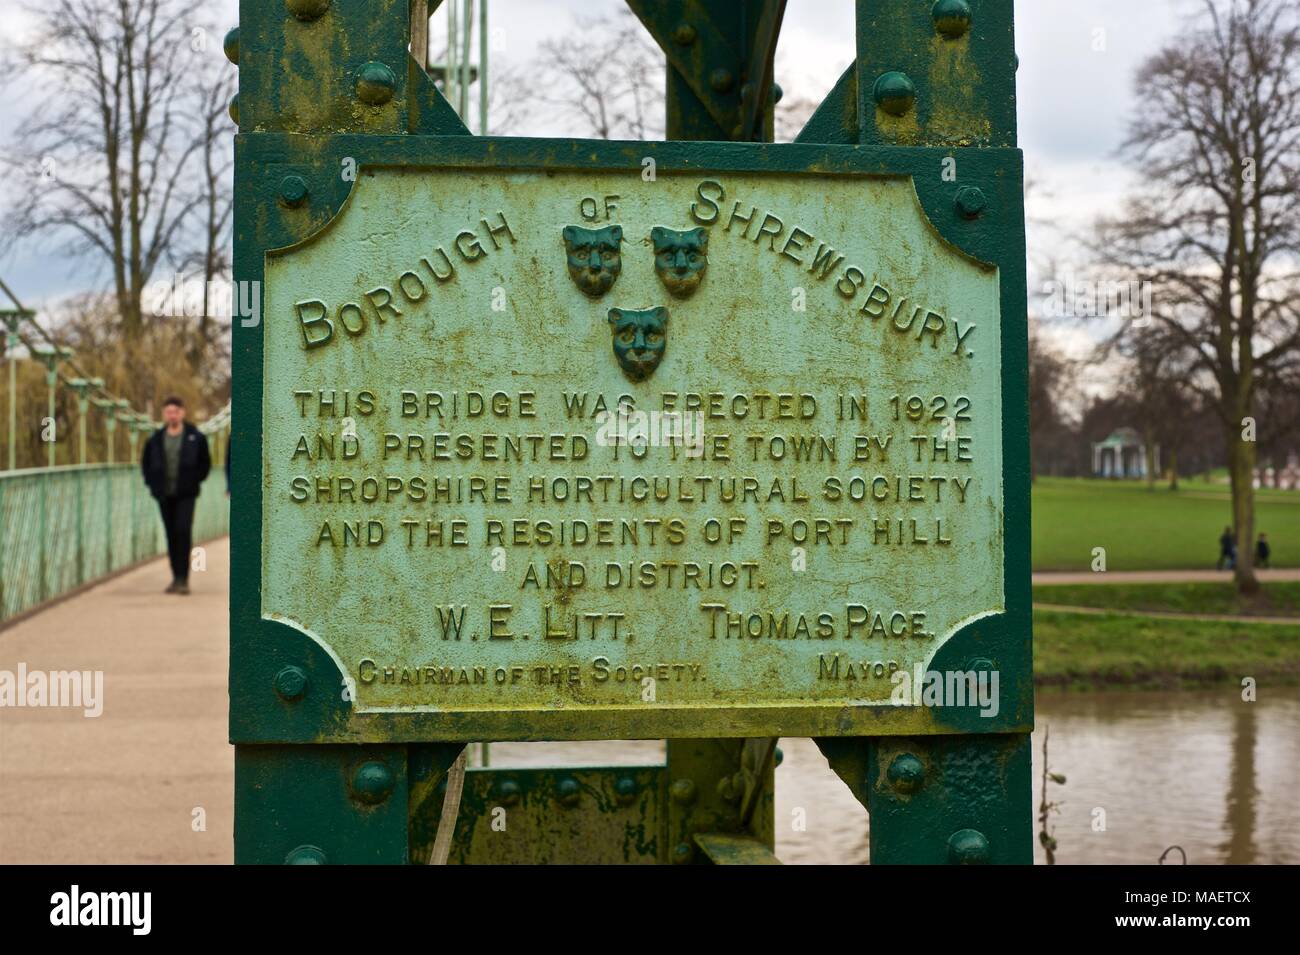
<point x="601" y="441"/>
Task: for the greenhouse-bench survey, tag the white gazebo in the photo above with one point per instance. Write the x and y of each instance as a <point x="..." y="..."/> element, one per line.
<point x="1122" y="455"/>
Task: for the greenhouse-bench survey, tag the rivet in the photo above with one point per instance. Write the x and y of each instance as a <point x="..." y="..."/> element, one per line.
<point x="970" y="203"/>
<point x="291" y="683"/>
<point x="293" y="191"/>
<point x="683" y="853"/>
<point x="306" y="10"/>
<point x="233" y="108"/>
<point x="778" y="757"/>
<point x="721" y="80"/>
<point x="375" y="84"/>
<point x="305" y="855"/>
<point x="231" y="45"/>
<point x="568" y="792"/>
<point x="683" y="34"/>
<point x="777" y="93"/>
<point x="906" y="773"/>
<point x="682" y="791"/>
<point x="894" y="92"/>
<point x="951" y="18"/>
<point x="968" y="847"/>
<point x="372" y="782"/>
<point x="625" y="790"/>
<point x="730" y="788"/>
<point x="507" y="792"/>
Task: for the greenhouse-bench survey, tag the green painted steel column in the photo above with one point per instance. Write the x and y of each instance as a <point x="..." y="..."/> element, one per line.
<point x="82" y="387"/>
<point x="710" y="53"/>
<point x="328" y="69"/>
<point x="52" y="381"/>
<point x="13" y="318"/>
<point x="942" y="76"/>
<point x="106" y="407"/>
<point x="51" y="355"/>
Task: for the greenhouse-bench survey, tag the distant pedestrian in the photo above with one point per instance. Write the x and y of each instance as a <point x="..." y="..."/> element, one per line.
<point x="174" y="464"/>
<point x="1262" y="551"/>
<point x="1227" y="550"/>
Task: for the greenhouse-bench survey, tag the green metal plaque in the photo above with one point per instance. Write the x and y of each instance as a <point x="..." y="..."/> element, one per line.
<point x="547" y="447"/>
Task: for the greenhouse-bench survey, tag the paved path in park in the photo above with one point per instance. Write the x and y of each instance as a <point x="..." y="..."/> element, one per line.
<point x="1170" y="614"/>
<point x="124" y="786"/>
<point x="1156" y="576"/>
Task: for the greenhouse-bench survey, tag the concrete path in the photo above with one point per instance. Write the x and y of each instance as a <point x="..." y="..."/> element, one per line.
<point x="125" y="786"/>
<point x="1156" y="576"/>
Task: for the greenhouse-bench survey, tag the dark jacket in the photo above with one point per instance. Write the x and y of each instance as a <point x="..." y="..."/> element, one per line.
<point x="195" y="463"/>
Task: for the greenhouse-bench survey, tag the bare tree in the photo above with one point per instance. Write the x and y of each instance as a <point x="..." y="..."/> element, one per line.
<point x="1156" y="391"/>
<point x="120" y="148"/>
<point x="212" y="252"/>
<point x="793" y="109"/>
<point x="608" y="77"/>
<point x="1216" y="224"/>
<point x="1050" y="378"/>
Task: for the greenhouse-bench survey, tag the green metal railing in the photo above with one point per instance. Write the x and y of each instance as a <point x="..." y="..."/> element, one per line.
<point x="67" y="526"/>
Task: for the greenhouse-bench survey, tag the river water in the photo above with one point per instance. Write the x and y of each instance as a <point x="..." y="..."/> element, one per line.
<point x="1144" y="771"/>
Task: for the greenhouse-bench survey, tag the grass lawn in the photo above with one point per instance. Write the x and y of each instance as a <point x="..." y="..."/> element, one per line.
<point x="1093" y="652"/>
<point x="1277" y="599"/>
<point x="1149" y="530"/>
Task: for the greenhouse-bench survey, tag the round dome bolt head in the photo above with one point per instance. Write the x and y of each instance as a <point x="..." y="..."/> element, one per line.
<point x="305" y="855"/>
<point x="307" y="10"/>
<point x="231" y="46"/>
<point x="568" y="792"/>
<point x="968" y="847"/>
<point x="291" y="683"/>
<point x="233" y="109"/>
<point x="625" y="790"/>
<point x="777" y="93"/>
<point x="375" y="84"/>
<point x="682" y="791"/>
<point x="778" y="757"/>
<point x="684" y="34"/>
<point x="683" y="853"/>
<point x="507" y="792"/>
<point x="372" y="782"/>
<point x="293" y="191"/>
<point x="971" y="203"/>
<point x="906" y="773"/>
<point x="721" y="80"/>
<point x="951" y="18"/>
<point x="895" y="93"/>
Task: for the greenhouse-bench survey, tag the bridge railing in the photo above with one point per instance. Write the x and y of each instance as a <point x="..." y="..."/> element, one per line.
<point x="63" y="527"/>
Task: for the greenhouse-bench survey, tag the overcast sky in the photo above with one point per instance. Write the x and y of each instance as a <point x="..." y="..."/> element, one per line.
<point x="1077" y="62"/>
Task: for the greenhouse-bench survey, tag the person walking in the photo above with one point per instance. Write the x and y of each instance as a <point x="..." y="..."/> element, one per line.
<point x="1262" y="551"/>
<point x="1227" y="550"/>
<point x="174" y="464"/>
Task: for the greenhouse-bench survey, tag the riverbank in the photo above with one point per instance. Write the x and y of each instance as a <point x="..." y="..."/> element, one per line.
<point x="1111" y="651"/>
